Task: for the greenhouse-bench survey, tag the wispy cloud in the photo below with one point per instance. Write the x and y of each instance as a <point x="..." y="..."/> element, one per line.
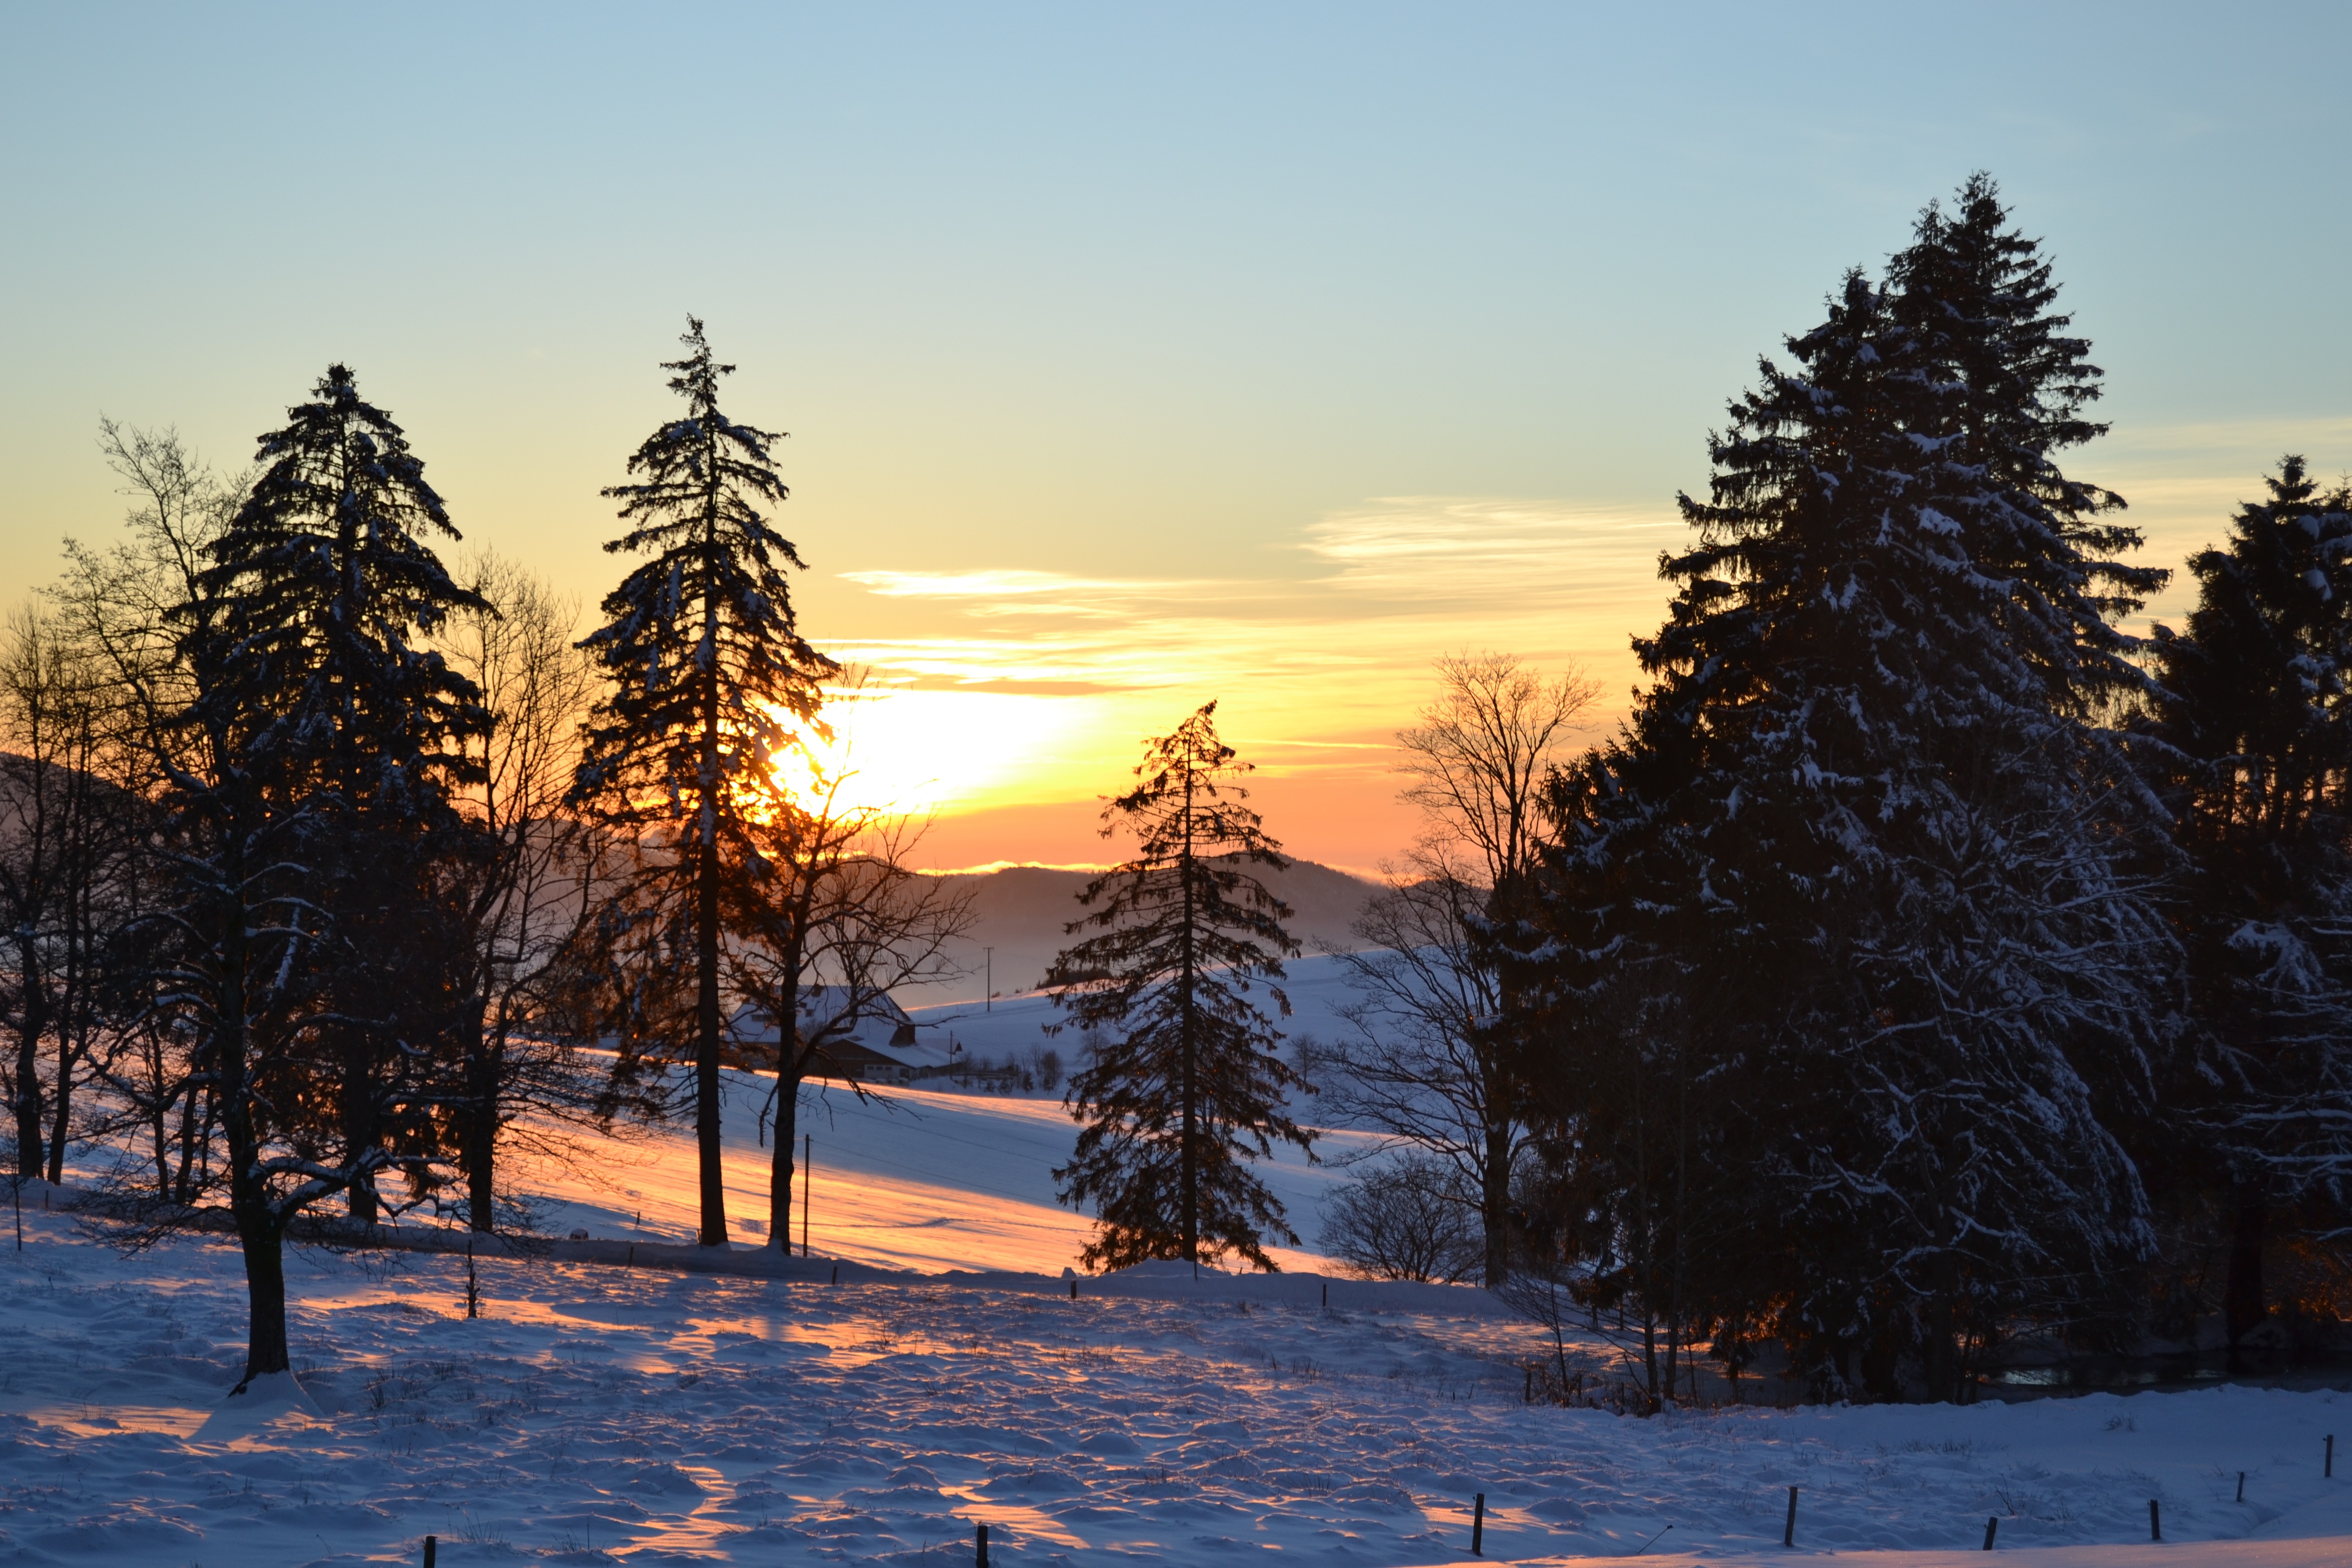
<point x="1491" y="552"/>
<point x="1333" y="654"/>
<point x="1008" y="591"/>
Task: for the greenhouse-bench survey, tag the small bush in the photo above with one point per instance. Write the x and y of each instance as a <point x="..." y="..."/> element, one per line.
<point x="1407" y="1218"/>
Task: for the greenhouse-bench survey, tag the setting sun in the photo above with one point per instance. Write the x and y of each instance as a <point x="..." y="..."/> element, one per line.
<point x="896" y="749"/>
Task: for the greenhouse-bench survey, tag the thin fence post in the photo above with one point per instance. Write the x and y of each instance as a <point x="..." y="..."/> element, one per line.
<point x="429" y="1545"/>
<point x="1789" y="1533"/>
<point x="2241" y="1486"/>
<point x="808" y="1180"/>
<point x="2154" y="1521"/>
<point x="1073" y="1290"/>
<point x="1478" y="1526"/>
<point x="981" y="1561"/>
<point x="1992" y="1522"/>
<point x="2328" y="1469"/>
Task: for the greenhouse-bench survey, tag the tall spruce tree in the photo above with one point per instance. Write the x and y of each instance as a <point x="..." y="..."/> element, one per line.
<point x="2256" y="708"/>
<point x="1866" y="824"/>
<point x="327" y="585"/>
<point x="298" y="745"/>
<point x="1182" y="1086"/>
<point x="709" y="679"/>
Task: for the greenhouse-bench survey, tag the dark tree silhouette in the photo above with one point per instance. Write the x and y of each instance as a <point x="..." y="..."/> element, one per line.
<point x="327" y="584"/>
<point x="1184" y="1087"/>
<point x="710" y="676"/>
<point x="2255" y="710"/>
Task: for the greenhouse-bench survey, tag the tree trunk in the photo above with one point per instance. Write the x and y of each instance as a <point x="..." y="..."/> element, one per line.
<point x="28" y="1070"/>
<point x="789" y="1066"/>
<point x="705" y="882"/>
<point x="481" y="1149"/>
<point x="258" y="1231"/>
<point x="780" y="1173"/>
<point x="1495" y="1201"/>
<point x="61" y="1111"/>
<point x="2245" y="1306"/>
<point x="1939" y="1348"/>
<point x="189" y="1111"/>
<point x="359" y="1128"/>
<point x="705" y="1042"/>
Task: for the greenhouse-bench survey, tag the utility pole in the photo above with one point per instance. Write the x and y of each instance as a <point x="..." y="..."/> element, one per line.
<point x="988" y="981"/>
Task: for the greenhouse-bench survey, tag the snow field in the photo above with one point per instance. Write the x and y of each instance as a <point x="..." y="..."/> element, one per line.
<point x="604" y="1414"/>
<point x="917" y="1179"/>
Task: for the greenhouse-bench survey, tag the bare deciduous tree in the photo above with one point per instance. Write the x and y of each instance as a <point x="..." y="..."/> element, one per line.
<point x="522" y="893"/>
<point x="65" y="840"/>
<point x="1478" y="756"/>
<point x="830" y="909"/>
<point x="1424" y="1063"/>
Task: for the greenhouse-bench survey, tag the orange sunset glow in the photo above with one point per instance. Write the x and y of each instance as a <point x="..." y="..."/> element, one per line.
<point x="1014" y="700"/>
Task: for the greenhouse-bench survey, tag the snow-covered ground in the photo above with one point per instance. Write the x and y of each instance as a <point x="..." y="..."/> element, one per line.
<point x="605" y="1413"/>
<point x="598" y="1414"/>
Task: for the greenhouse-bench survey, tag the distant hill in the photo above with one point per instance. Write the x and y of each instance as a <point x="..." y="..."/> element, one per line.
<point x="1023" y="909"/>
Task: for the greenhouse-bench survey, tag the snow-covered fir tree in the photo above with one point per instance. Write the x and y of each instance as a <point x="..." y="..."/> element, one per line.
<point x="2255" y="720"/>
<point x="709" y="677"/>
<point x="328" y="586"/>
<point x="1182" y="1086"/>
<point x="1861" y="863"/>
<point x="328" y="582"/>
<point x="299" y="739"/>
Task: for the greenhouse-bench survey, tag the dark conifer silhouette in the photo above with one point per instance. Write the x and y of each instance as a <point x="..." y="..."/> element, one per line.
<point x="1182" y="1086"/>
<point x="710" y="679"/>
<point x="2256" y="707"/>
<point x="327" y="583"/>
<point x="1851" y="957"/>
<point x="298" y="743"/>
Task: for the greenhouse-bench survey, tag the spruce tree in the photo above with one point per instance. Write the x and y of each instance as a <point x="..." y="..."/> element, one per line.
<point x="2255" y="712"/>
<point x="328" y="584"/>
<point x="1863" y="849"/>
<point x="709" y="677"/>
<point x="1182" y="1084"/>
<point x="299" y="749"/>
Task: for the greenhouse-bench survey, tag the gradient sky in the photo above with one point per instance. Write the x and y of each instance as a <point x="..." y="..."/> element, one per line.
<point x="1134" y="356"/>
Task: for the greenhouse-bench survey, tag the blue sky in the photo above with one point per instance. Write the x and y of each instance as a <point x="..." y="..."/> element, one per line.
<point x="1157" y="298"/>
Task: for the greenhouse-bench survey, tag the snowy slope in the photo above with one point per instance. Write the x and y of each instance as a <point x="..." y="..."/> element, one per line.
<point x="919" y="1178"/>
<point x="913" y="1179"/>
<point x="604" y="1414"/>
